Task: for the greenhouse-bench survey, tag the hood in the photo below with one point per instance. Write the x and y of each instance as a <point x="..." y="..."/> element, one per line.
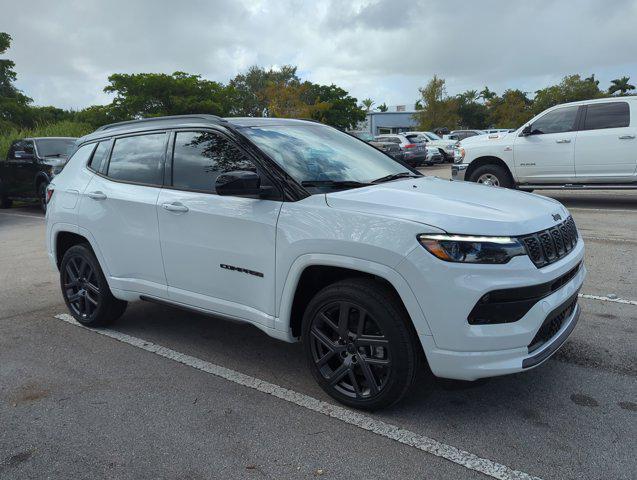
<point x="455" y="207"/>
<point x="487" y="139"/>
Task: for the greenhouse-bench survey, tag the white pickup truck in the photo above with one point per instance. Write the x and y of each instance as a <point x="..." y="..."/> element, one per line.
<point x="589" y="144"/>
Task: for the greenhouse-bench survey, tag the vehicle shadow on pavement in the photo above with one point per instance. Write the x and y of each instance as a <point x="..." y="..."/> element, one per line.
<point x="528" y="398"/>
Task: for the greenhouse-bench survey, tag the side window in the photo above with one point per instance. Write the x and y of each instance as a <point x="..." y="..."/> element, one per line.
<point x="557" y="121"/>
<point x="200" y="157"/>
<point x="607" y="115"/>
<point x="83" y="153"/>
<point x="138" y="159"/>
<point x="99" y="156"/>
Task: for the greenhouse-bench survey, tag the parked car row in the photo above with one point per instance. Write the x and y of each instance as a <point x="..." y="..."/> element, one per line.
<point x="30" y="166"/>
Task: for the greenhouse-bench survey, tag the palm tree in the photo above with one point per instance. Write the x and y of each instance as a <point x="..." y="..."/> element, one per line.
<point x="368" y="103"/>
<point x="620" y="85"/>
<point x="382" y="107"/>
<point x="487" y="94"/>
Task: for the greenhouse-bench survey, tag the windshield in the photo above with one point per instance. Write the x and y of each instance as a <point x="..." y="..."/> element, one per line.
<point x="54" y="147"/>
<point x="316" y="153"/>
<point x="432" y="136"/>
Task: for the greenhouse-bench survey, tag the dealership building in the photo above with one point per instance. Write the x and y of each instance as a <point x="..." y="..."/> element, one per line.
<point x="396" y="121"/>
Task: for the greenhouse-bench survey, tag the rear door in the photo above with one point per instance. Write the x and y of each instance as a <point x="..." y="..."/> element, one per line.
<point x="606" y="148"/>
<point x="118" y="208"/>
<point x="547" y="154"/>
<point x="218" y="251"/>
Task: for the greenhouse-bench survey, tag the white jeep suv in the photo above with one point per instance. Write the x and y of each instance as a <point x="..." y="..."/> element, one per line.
<point x="311" y="234"/>
<point x="589" y="144"/>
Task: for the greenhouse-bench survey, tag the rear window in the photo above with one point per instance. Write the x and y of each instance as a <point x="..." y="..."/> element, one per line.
<point x="99" y="157"/>
<point x="138" y="159"/>
<point x="607" y="115"/>
<point x="55" y="147"/>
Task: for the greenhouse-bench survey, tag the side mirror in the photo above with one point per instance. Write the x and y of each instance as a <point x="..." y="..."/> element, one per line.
<point x="239" y="183"/>
<point x="526" y="131"/>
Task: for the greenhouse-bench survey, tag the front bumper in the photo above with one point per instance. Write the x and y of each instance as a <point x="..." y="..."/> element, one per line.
<point x="458" y="171"/>
<point x="448" y="292"/>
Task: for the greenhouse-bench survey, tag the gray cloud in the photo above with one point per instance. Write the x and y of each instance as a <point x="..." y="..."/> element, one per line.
<point x="65" y="50"/>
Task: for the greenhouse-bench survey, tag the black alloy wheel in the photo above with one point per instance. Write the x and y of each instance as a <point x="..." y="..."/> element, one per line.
<point x="359" y="344"/>
<point x="85" y="290"/>
<point x="81" y="287"/>
<point x="350" y="350"/>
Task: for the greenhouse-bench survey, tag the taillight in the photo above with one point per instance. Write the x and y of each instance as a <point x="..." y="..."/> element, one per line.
<point x="49" y="194"/>
<point x="410" y="145"/>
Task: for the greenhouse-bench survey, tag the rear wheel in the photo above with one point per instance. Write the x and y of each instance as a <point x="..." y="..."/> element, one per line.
<point x="42" y="195"/>
<point x="493" y="176"/>
<point x="85" y="289"/>
<point x="359" y="345"/>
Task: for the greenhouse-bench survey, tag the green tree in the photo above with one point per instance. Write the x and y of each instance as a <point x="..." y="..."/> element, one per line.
<point x="248" y="90"/>
<point x="154" y="94"/>
<point x="571" y="89"/>
<point x="487" y="95"/>
<point x="14" y="105"/>
<point x="383" y="107"/>
<point x="333" y="106"/>
<point x="471" y="113"/>
<point x="510" y="110"/>
<point x="367" y="103"/>
<point x="620" y="85"/>
<point x="438" y="110"/>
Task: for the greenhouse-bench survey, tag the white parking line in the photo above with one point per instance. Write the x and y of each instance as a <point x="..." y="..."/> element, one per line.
<point x="383" y="429"/>
<point x="607" y="299"/>
<point x="593" y="238"/>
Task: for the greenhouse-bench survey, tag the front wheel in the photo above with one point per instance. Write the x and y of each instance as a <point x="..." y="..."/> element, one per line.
<point x="85" y="290"/>
<point x="493" y="176"/>
<point x="359" y="345"/>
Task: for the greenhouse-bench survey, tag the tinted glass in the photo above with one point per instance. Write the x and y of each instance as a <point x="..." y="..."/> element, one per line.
<point x="55" y="147"/>
<point x="200" y="157"/>
<point x="320" y="153"/>
<point x="99" y="157"/>
<point x="607" y="115"/>
<point x="138" y="159"/>
<point x="560" y="120"/>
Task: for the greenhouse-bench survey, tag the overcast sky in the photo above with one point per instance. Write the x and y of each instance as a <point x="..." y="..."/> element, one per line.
<point x="65" y="50"/>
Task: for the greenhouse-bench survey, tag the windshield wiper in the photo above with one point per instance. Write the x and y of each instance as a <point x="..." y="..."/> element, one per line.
<point x="396" y="176"/>
<point x="334" y="183"/>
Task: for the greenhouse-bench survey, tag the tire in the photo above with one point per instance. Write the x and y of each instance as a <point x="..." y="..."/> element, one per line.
<point x="493" y="175"/>
<point x="41" y="192"/>
<point x="368" y="368"/>
<point x="85" y="290"/>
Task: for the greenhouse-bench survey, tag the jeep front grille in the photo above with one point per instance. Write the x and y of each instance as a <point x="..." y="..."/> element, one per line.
<point x="548" y="246"/>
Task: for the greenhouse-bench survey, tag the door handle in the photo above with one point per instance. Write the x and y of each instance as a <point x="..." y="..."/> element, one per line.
<point x="563" y="140"/>
<point x="175" y="207"/>
<point x="97" y="195"/>
<point x="626" y="137"/>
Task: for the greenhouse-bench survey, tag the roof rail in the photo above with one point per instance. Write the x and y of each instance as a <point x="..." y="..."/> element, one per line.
<point x="202" y="116"/>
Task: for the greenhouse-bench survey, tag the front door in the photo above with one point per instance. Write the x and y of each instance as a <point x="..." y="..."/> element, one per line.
<point x="218" y="250"/>
<point x="547" y="154"/>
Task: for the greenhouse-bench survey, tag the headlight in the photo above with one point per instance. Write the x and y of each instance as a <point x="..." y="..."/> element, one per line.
<point x="458" y="155"/>
<point x="472" y="249"/>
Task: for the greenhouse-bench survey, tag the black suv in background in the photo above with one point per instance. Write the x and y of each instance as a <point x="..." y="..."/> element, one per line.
<point x="30" y="165"/>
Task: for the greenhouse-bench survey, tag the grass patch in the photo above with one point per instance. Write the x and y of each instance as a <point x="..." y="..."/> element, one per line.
<point x="58" y="129"/>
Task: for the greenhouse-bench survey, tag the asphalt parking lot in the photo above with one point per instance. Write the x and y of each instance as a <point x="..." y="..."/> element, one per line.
<point x="223" y="400"/>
